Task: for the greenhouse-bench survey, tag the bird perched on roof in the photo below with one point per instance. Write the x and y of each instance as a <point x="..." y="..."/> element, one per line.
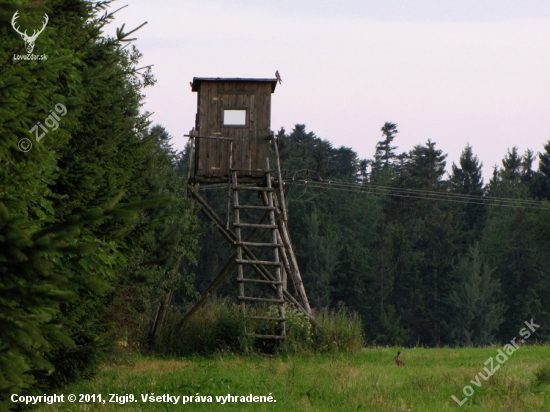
<point x="278" y="76"/>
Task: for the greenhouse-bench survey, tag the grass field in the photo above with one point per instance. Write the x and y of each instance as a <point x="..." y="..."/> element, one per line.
<point x="366" y="381"/>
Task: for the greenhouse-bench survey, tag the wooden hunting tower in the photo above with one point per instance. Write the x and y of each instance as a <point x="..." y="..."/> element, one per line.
<point x="234" y="122"/>
<point x="230" y="144"/>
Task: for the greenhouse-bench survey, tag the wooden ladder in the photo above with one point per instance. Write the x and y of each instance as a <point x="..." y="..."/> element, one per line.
<point x="269" y="208"/>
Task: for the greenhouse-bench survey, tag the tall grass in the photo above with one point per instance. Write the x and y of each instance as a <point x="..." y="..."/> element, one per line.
<point x="222" y="327"/>
<point x="340" y="331"/>
<point x="213" y="328"/>
<point x="542" y="375"/>
<point x="364" y="381"/>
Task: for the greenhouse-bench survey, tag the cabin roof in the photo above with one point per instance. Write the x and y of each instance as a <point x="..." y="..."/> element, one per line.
<point x="198" y="80"/>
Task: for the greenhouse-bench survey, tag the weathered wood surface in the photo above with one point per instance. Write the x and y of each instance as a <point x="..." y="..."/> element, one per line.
<point x="295" y="270"/>
<point x="250" y="142"/>
<point x="274" y="239"/>
<point x="230" y="266"/>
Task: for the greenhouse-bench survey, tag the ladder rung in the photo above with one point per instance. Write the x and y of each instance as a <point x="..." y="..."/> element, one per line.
<point x="267" y="336"/>
<point x="270" y="282"/>
<point x="265" y="318"/>
<point x="259" y="244"/>
<point x="251" y="299"/>
<point x="254" y="207"/>
<point x="255" y="225"/>
<point x="258" y="262"/>
<point x="260" y="188"/>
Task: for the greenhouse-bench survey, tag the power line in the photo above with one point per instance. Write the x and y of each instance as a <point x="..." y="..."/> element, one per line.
<point x="380" y="190"/>
<point x="429" y="195"/>
<point x="425" y="191"/>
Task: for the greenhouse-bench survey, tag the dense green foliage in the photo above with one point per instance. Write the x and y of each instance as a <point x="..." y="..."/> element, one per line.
<point x="93" y="224"/>
<point x="423" y="256"/>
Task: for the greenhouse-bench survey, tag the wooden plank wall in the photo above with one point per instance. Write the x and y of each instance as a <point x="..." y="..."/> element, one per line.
<point x="251" y="142"/>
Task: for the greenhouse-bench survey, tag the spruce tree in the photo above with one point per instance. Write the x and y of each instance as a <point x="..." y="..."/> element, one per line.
<point x="474" y="301"/>
<point x="542" y="176"/>
<point x="384" y="154"/>
<point x="70" y="236"/>
<point x="512" y="166"/>
<point x="466" y="179"/>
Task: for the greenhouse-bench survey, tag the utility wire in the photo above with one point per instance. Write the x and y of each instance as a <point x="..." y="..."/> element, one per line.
<point x="432" y="195"/>
<point x="424" y="191"/>
<point x="380" y="190"/>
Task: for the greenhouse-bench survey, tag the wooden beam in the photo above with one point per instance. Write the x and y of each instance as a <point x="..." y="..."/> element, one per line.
<point x="226" y="272"/>
<point x="280" y="178"/>
<point x="295" y="270"/>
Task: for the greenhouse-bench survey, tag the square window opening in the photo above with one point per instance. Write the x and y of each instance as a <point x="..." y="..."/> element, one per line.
<point x="234" y="117"/>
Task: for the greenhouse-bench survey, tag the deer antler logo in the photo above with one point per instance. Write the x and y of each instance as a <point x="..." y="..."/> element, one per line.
<point x="29" y="40"/>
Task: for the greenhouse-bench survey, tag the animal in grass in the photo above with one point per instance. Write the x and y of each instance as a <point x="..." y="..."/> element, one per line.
<point x="398" y="361"/>
<point x="278" y="76"/>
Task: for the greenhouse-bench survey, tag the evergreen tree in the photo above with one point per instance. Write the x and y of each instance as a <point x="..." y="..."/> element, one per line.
<point x="384" y="155"/>
<point x="344" y="164"/>
<point x="432" y="229"/>
<point x="512" y="166"/>
<point x="475" y="309"/>
<point x="541" y="186"/>
<point x="511" y="244"/>
<point x="467" y="180"/>
<point x="425" y="166"/>
<point x="544" y="160"/>
<point x="58" y="199"/>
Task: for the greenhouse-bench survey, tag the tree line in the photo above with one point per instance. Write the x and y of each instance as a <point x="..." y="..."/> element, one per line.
<point x="424" y="256"/>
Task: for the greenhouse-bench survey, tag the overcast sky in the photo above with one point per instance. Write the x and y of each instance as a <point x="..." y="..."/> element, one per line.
<point x="453" y="71"/>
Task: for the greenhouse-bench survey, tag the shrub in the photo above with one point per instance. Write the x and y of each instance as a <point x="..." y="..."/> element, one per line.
<point x="340" y="331"/>
<point x="216" y="327"/>
<point x="298" y="330"/>
<point x="221" y="327"/>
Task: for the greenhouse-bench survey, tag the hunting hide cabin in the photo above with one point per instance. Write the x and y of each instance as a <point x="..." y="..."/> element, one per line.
<point x="232" y="128"/>
<point x="231" y="144"/>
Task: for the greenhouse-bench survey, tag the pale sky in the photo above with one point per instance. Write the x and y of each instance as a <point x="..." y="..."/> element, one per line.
<point x="453" y="71"/>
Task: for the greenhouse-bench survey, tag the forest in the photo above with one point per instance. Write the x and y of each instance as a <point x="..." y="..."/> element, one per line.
<point x="96" y="233"/>
<point x="424" y="256"/>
